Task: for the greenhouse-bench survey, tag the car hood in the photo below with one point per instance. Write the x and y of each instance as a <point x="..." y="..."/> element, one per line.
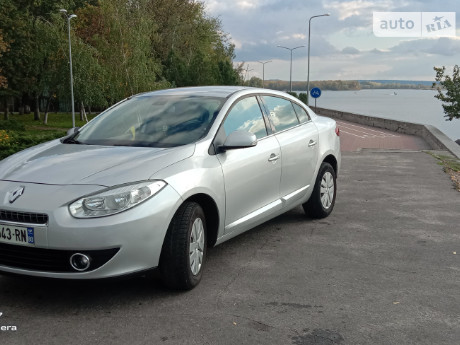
<point x="72" y="164"/>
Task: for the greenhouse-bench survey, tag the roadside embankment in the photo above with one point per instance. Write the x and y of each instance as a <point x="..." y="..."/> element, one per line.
<point x="436" y="139"/>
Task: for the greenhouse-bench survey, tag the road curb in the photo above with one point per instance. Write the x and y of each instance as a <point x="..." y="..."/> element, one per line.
<point x="436" y="139"/>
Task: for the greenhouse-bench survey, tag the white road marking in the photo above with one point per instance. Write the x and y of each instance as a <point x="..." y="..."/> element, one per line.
<point x="363" y="132"/>
<point x="359" y="136"/>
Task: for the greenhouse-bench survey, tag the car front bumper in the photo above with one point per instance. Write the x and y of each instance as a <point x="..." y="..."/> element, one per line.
<point x="120" y="244"/>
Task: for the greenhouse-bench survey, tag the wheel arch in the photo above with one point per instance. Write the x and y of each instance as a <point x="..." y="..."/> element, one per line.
<point x="211" y="213"/>
<point x="332" y="161"/>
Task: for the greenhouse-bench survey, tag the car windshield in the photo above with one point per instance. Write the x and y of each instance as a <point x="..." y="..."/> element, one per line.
<point x="152" y="121"/>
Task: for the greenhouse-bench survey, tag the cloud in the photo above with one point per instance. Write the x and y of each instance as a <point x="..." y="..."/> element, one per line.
<point x="299" y="36"/>
<point x="246" y="5"/>
<point x="441" y="46"/>
<point x="350" y="50"/>
<point x="342" y="45"/>
<point x="236" y="43"/>
<point x="357" y="8"/>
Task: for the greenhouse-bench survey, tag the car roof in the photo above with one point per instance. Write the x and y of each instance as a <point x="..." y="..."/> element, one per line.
<point x="213" y="91"/>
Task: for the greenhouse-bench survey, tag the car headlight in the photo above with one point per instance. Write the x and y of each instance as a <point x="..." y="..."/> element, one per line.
<point x="115" y="200"/>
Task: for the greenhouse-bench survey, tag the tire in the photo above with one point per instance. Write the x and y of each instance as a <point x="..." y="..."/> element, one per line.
<point x="322" y="199"/>
<point x="184" y="248"/>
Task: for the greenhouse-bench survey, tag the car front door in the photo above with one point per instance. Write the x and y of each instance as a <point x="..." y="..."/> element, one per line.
<point x="298" y="139"/>
<point x="252" y="175"/>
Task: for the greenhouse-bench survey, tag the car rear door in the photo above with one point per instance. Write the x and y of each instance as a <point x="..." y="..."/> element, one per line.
<point x="298" y="139"/>
<point x="252" y="175"/>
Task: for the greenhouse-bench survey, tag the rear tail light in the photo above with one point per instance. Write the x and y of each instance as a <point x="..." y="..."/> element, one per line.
<point x="337" y="130"/>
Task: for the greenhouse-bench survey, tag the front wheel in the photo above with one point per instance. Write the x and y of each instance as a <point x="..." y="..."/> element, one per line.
<point x="184" y="248"/>
<point x="322" y="199"/>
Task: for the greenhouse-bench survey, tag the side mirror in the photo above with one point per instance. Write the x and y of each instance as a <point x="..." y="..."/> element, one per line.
<point x="239" y="140"/>
<point x="72" y="130"/>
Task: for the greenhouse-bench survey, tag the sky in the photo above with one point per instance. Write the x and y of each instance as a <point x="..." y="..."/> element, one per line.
<point x="343" y="45"/>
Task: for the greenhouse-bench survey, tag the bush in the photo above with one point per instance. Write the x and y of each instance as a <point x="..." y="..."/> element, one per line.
<point x="303" y="97"/>
<point x="13" y="125"/>
<point x="15" y="141"/>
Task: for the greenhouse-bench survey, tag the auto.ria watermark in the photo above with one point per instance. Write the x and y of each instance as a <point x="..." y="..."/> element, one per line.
<point x="414" y="24"/>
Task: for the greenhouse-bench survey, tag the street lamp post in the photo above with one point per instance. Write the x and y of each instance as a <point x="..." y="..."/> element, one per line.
<point x="290" y="74"/>
<point x="263" y="71"/>
<point x="69" y="17"/>
<point x="308" y="73"/>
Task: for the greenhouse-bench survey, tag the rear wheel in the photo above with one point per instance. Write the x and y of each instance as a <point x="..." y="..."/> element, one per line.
<point x="322" y="199"/>
<point x="184" y="248"/>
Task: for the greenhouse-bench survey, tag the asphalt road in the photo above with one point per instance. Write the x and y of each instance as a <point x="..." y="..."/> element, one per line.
<point x="381" y="269"/>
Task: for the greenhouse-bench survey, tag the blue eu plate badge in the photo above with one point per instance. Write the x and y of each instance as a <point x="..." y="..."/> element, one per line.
<point x="30" y="235"/>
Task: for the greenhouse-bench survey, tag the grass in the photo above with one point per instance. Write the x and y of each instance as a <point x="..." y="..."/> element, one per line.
<point x="55" y="120"/>
<point x="451" y="166"/>
<point x="22" y="131"/>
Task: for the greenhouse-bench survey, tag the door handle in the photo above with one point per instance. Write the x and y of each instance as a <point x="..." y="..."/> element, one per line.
<point x="311" y="143"/>
<point x="273" y="157"/>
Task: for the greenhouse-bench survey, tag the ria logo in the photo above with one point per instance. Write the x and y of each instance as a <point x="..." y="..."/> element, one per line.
<point x="16" y="194"/>
<point x="438" y="24"/>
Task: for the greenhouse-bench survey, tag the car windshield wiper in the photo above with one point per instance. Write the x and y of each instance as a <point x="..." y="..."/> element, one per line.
<point x="71" y="141"/>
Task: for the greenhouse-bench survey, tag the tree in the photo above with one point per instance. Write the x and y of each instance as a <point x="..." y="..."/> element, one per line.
<point x="191" y="46"/>
<point x="3" y="48"/>
<point x="448" y="91"/>
<point x="115" y="52"/>
<point x="119" y="48"/>
<point x="14" y="61"/>
<point x="3" y="80"/>
<point x="254" y="82"/>
<point x="33" y="30"/>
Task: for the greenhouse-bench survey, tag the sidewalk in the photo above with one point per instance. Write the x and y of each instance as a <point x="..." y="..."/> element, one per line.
<point x="382" y="269"/>
<point x="355" y="137"/>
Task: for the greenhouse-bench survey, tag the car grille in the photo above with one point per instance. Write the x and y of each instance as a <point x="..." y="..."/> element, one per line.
<point x="24" y="217"/>
<point x="49" y="260"/>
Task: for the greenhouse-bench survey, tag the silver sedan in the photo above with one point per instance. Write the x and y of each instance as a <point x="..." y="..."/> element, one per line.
<point x="155" y="180"/>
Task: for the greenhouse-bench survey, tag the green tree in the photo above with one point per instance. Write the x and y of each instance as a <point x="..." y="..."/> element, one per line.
<point x="119" y="48"/>
<point x="191" y="46"/>
<point x="255" y="82"/>
<point x="3" y="48"/>
<point x="448" y="91"/>
<point x="29" y="28"/>
<point x="3" y="80"/>
<point x="15" y="61"/>
<point x="118" y="35"/>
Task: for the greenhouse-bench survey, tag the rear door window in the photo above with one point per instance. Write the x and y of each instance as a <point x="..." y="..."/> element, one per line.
<point x="301" y="113"/>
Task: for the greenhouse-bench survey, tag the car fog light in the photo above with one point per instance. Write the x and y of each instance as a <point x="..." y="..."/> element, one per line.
<point x="80" y="262"/>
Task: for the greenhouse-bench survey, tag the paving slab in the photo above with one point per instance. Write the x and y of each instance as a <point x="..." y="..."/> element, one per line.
<point x="384" y="268"/>
<point x="355" y="137"/>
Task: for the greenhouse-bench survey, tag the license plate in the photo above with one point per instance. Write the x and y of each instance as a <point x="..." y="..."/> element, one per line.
<point x="17" y="235"/>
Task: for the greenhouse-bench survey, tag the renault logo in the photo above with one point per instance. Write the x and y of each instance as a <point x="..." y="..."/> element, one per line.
<point x="16" y="194"/>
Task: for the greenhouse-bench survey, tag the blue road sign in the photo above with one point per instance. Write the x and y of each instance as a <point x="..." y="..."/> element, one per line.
<point x="315" y="92"/>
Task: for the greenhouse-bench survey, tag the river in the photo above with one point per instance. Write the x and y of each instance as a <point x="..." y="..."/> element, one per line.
<point x="417" y="106"/>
